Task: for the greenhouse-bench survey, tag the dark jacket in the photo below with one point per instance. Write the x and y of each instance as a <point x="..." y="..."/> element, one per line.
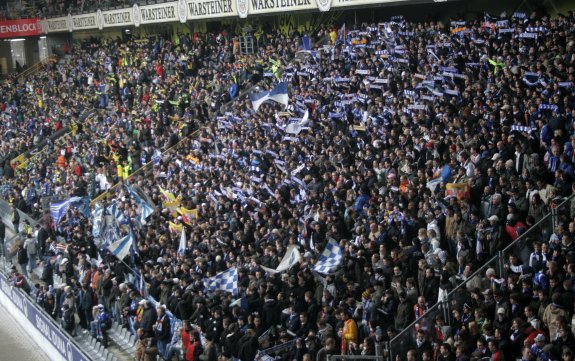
<point x="271" y="313"/>
<point x="48" y="274"/>
<point x="149" y="319"/>
<point x="22" y="255"/>
<point x="248" y="347"/>
<point x="162" y="329"/>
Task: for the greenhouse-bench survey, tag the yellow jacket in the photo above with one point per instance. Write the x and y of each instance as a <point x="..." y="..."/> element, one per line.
<point x="349" y="334"/>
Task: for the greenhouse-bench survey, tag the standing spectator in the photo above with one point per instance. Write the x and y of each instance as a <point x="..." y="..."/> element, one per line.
<point x="349" y="332"/>
<point x="162" y="331"/>
<point x="32" y="250"/>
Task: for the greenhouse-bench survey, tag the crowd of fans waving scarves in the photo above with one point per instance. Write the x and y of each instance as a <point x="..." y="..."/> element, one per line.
<point x="420" y="149"/>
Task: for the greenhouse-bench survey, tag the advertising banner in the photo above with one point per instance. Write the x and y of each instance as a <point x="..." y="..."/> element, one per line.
<point x="41" y="322"/>
<point x="205" y="9"/>
<point x="84" y="22"/>
<point x="20" y="28"/>
<point x="254" y="7"/>
<point x="55" y="25"/>
<point x="113" y="18"/>
<point x="343" y="3"/>
<point x="151" y="14"/>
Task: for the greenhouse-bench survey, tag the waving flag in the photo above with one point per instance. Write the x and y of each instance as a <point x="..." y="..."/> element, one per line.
<point x="433" y="183"/>
<point x="183" y="243"/>
<point x="118" y="213"/>
<point x="291" y="257"/>
<point x="169" y="199"/>
<point x="330" y="259"/>
<point x="175" y="228"/>
<point x="121" y="248"/>
<point x="341" y="35"/>
<point x="188" y="215"/>
<point x="59" y="209"/>
<point x="297" y="127"/>
<point x="224" y="281"/>
<point x="156" y="157"/>
<point x="168" y="196"/>
<point x="110" y="232"/>
<point x="146" y="209"/>
<point x="97" y="220"/>
<point x="279" y="94"/>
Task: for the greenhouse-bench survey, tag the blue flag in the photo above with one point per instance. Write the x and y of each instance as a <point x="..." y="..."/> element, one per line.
<point x="279" y="94"/>
<point x="146" y="209"/>
<point x="121" y="248"/>
<point x="59" y="209"/>
<point x="224" y="281"/>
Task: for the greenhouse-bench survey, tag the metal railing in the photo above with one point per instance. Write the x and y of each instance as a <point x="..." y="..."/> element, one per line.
<point x="521" y="247"/>
<point x="36" y="67"/>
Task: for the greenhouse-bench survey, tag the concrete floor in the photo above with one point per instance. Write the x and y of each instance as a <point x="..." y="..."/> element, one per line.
<point x="15" y="344"/>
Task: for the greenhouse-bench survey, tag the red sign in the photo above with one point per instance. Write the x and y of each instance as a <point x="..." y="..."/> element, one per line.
<point x="19" y="28"/>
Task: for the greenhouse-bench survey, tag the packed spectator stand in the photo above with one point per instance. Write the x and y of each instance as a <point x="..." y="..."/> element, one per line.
<point x="414" y="152"/>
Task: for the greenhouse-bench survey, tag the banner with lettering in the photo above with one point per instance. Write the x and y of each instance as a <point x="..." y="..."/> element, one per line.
<point x="55" y="25"/>
<point x="152" y="14"/>
<point x="20" y="28"/>
<point x="113" y="18"/>
<point x="84" y="22"/>
<point x="254" y="7"/>
<point x="40" y="321"/>
<point x="344" y="3"/>
<point x="205" y="9"/>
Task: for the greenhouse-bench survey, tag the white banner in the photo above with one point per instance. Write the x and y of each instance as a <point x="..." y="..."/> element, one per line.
<point x="151" y="14"/>
<point x="254" y="7"/>
<point x="113" y="18"/>
<point x="55" y="25"/>
<point x="83" y="22"/>
<point x="344" y="3"/>
<point x="205" y="9"/>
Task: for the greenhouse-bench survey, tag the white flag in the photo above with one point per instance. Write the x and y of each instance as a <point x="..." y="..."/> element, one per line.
<point x="183" y="243"/>
<point x="291" y="257"/>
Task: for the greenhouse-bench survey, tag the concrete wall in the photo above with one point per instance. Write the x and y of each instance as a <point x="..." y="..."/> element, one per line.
<point x="5" y="57"/>
<point x="32" y="51"/>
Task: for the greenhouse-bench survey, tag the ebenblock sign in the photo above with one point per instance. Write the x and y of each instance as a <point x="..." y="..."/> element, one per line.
<point x="19" y="28"/>
<point x="42" y="322"/>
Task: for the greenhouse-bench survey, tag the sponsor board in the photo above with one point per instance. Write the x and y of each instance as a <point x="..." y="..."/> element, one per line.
<point x="55" y="25"/>
<point x="84" y="22"/>
<point x="113" y="18"/>
<point x="42" y="322"/>
<point x="271" y="6"/>
<point x="160" y="13"/>
<point x="205" y="9"/>
<point x="19" y="28"/>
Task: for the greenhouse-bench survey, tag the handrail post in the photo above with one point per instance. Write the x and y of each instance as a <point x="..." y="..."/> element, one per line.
<point x="500" y="263"/>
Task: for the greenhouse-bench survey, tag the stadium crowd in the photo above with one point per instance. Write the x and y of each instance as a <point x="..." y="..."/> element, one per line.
<point x="420" y="150"/>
